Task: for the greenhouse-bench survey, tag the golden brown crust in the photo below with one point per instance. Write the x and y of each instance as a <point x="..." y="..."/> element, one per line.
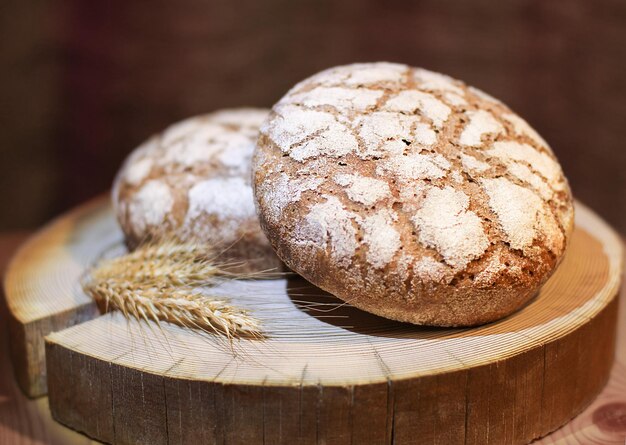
<point x="410" y="195"/>
<point x="192" y="181"/>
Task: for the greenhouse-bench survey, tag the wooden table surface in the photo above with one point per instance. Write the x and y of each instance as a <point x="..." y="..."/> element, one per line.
<point x="27" y="421"/>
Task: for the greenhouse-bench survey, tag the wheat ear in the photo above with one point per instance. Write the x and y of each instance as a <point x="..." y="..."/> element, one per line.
<point x="160" y="281"/>
<point x="164" y="262"/>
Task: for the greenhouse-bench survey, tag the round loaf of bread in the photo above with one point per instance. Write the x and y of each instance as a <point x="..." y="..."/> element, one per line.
<point x="410" y="194"/>
<point x="192" y="182"/>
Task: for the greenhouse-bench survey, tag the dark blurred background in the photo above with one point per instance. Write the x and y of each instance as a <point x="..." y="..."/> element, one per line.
<point x="83" y="82"/>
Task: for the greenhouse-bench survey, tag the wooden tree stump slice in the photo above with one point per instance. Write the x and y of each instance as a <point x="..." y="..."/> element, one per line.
<point x="328" y="373"/>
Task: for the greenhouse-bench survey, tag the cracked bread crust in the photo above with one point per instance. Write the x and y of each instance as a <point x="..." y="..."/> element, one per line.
<point x="193" y="181"/>
<point x="410" y="194"/>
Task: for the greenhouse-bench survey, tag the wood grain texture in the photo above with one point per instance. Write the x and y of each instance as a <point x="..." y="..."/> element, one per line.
<point x="28" y="422"/>
<point x="540" y="367"/>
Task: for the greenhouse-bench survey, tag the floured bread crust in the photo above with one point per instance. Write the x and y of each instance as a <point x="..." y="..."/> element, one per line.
<point x="193" y="181"/>
<point x="410" y="194"/>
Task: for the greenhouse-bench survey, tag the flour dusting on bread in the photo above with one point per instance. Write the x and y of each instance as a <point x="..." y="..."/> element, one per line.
<point x="192" y="181"/>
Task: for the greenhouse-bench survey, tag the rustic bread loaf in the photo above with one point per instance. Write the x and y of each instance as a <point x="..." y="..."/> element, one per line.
<point x="410" y="194"/>
<point x="193" y="182"/>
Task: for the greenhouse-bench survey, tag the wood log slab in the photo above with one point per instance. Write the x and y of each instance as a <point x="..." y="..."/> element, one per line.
<point x="328" y="373"/>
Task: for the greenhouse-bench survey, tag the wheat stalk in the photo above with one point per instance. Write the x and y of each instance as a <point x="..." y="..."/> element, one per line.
<point x="165" y="262"/>
<point x="159" y="282"/>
